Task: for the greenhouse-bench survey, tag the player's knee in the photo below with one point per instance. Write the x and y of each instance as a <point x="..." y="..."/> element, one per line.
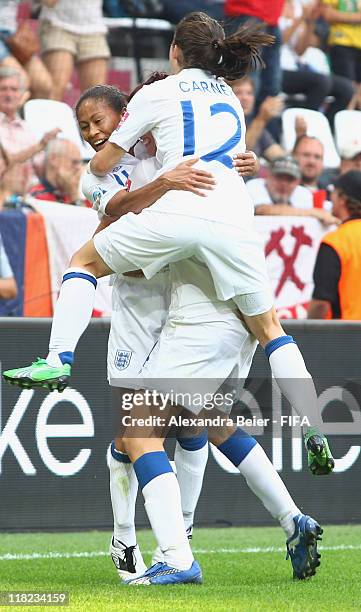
<point x="218" y="435"/>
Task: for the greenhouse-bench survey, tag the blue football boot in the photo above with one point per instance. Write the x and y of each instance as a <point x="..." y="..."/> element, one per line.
<point x="162" y="574"/>
<point x="302" y="547"/>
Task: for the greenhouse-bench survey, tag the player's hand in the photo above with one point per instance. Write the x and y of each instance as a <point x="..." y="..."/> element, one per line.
<point x="185" y="177"/>
<point x="246" y="164"/>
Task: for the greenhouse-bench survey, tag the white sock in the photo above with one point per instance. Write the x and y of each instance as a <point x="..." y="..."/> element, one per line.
<point x="163" y="506"/>
<point x="190" y="466"/>
<point x="123" y="495"/>
<point x="295" y="382"/>
<point x="266" y="484"/>
<point x="72" y="314"/>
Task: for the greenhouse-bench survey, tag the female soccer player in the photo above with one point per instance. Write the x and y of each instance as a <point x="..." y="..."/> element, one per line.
<point x="140" y="309"/>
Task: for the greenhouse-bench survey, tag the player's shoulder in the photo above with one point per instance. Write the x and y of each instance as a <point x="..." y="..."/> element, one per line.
<point x="155" y="90"/>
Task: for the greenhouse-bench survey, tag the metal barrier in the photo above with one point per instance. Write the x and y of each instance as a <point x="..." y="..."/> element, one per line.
<point x="53" y="447"/>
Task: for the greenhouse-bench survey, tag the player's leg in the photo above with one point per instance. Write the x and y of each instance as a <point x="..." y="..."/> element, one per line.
<point x="290" y="372"/>
<point x="190" y="458"/>
<point x="72" y="315"/>
<point x="302" y="532"/>
<point x="162" y="502"/>
<point x="123" y="549"/>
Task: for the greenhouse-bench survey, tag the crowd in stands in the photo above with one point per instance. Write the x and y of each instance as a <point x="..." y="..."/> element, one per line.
<point x="315" y="64"/>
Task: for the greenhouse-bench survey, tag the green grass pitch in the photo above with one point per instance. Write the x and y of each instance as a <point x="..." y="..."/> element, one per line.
<point x="244" y="570"/>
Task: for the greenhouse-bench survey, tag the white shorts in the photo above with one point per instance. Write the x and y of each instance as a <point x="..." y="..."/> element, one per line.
<point x="203" y="346"/>
<point x="139" y="311"/>
<point x="151" y="240"/>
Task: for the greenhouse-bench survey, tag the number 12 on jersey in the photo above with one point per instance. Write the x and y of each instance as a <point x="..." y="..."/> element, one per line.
<point x="219" y="154"/>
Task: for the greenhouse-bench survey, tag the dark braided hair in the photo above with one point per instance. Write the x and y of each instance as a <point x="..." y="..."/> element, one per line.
<point x="204" y="45"/>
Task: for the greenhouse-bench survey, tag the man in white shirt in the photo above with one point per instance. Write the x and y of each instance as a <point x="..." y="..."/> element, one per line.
<point x="281" y="193"/>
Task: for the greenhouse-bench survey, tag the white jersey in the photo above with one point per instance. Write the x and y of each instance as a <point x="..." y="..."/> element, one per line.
<point x="99" y="190"/>
<point x="202" y="338"/>
<point x="193" y="114"/>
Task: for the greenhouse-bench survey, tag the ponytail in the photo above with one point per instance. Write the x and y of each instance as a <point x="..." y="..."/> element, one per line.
<point x="204" y="45"/>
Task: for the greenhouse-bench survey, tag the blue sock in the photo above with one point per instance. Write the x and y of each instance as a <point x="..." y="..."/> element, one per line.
<point x="118" y="455"/>
<point x="194" y="443"/>
<point x="237" y="446"/>
<point x="151" y="465"/>
<point x="277" y="343"/>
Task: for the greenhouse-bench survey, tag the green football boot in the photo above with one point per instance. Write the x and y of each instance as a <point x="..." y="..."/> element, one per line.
<point x="319" y="456"/>
<point x="40" y="374"/>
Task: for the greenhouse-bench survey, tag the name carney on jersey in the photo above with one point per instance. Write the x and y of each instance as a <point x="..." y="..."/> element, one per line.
<point x="205" y="86"/>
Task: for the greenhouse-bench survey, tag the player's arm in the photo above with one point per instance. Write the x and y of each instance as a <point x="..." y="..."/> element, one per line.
<point x="136" y="121"/>
<point x="183" y="177"/>
<point x="106" y="159"/>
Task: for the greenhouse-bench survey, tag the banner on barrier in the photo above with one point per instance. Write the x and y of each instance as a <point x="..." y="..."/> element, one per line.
<point x="58" y="231"/>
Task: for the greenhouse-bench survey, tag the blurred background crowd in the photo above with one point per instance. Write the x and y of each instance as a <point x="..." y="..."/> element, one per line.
<point x="303" y="110"/>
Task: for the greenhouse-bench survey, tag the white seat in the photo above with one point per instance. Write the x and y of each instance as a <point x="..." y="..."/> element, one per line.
<point x="348" y="132"/>
<point x="317" y="125"/>
<point x="45" y="115"/>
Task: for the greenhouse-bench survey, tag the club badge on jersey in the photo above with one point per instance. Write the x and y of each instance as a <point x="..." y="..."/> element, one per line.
<point x="96" y="197"/>
<point x="122" y="359"/>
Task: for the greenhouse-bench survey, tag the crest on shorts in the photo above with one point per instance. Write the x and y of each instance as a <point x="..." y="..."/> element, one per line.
<point x="122" y="359"/>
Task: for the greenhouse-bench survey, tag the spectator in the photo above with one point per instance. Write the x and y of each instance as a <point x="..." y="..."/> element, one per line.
<point x="268" y="81"/>
<point x="337" y="269"/>
<point x="8" y="288"/>
<point x="63" y="165"/>
<point x="281" y="194"/>
<point x="73" y="32"/>
<point x="301" y="72"/>
<point x="35" y="76"/>
<point x="258" y="138"/>
<point x="16" y="136"/>
<point x="345" y="37"/>
<point x="309" y="152"/>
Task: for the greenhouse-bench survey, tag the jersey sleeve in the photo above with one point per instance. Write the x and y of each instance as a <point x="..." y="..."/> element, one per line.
<point x="139" y="118"/>
<point x="100" y="190"/>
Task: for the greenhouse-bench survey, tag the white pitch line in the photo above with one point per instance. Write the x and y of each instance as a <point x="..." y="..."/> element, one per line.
<point x="199" y="551"/>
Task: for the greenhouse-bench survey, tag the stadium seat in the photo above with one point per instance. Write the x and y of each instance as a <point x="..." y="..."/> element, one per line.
<point x="347" y="129"/>
<point x="317" y="125"/>
<point x="45" y="115"/>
